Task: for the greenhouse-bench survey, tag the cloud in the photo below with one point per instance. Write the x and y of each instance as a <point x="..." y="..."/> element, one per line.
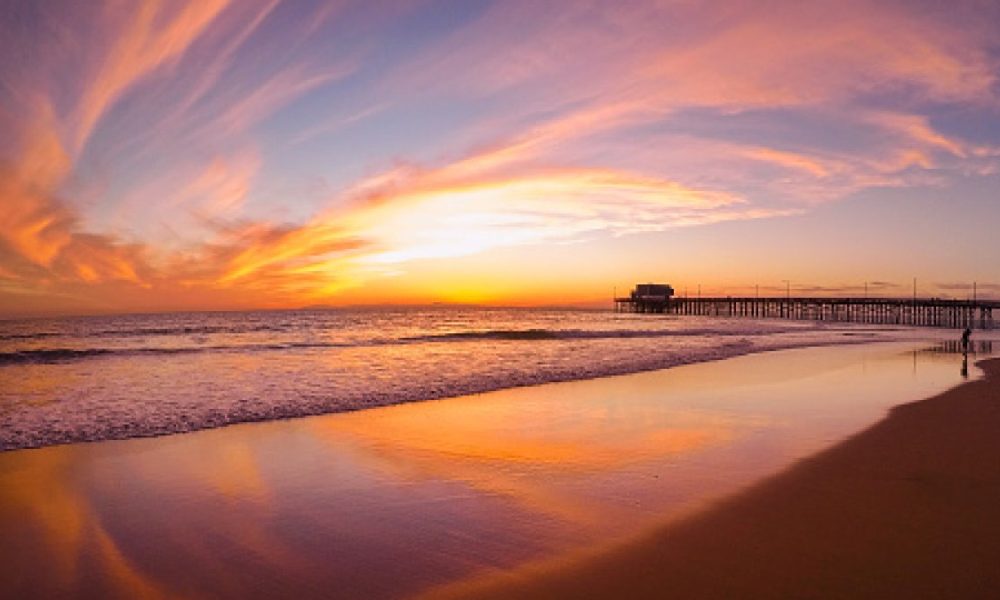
<point x="587" y="75"/>
<point x="143" y="37"/>
<point x="535" y="124"/>
<point x="33" y="225"/>
<point x="741" y="55"/>
<point x="431" y="217"/>
<point x="918" y="129"/>
<point x="790" y="160"/>
<point x="222" y="187"/>
<point x="796" y="53"/>
<point x="336" y="124"/>
<point x="967" y="286"/>
<point x="45" y="245"/>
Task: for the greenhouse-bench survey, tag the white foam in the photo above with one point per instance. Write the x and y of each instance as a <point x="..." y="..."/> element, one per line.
<point x="128" y="394"/>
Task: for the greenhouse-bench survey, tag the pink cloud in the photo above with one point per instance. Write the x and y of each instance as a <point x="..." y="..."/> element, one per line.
<point x="571" y="152"/>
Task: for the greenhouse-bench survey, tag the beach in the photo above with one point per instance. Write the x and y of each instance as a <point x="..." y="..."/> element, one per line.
<point x="499" y="299"/>
<point x="458" y="496"/>
<point x="906" y="508"/>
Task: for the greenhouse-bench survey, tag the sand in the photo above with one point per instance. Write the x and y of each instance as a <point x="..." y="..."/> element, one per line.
<point x="909" y="508"/>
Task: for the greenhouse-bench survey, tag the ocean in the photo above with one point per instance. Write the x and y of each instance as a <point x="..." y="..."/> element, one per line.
<point x="113" y="377"/>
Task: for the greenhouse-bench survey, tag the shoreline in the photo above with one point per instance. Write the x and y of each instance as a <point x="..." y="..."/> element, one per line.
<point x="307" y="411"/>
<point x="904" y="508"/>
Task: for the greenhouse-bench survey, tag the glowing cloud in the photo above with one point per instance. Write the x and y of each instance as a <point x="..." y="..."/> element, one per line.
<point x="217" y="154"/>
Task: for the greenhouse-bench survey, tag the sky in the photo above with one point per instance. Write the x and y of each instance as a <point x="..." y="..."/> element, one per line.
<point x="219" y="154"/>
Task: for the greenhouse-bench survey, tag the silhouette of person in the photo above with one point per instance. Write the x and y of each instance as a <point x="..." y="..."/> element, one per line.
<point x="965" y="340"/>
<point x="965" y="366"/>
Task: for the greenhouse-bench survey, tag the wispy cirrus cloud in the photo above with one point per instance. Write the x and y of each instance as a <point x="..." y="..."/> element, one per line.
<point x="44" y="238"/>
<point x="145" y="37"/>
<point x="519" y="124"/>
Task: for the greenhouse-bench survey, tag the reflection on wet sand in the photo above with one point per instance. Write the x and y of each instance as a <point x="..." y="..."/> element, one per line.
<point x="60" y="540"/>
<point x="393" y="501"/>
<point x="495" y="449"/>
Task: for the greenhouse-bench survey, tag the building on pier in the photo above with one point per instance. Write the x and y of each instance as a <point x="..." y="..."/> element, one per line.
<point x="646" y="298"/>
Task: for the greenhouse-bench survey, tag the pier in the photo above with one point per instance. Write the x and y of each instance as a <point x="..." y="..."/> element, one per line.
<point x="926" y="312"/>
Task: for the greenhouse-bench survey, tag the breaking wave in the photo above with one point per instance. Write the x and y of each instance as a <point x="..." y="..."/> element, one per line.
<point x="160" y="374"/>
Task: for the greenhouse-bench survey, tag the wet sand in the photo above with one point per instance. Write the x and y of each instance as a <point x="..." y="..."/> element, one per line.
<point x="909" y="508"/>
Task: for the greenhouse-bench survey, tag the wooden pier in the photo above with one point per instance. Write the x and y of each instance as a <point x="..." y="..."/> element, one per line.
<point x="928" y="312"/>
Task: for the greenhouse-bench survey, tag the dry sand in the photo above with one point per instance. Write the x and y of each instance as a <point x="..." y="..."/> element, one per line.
<point x="909" y="508"/>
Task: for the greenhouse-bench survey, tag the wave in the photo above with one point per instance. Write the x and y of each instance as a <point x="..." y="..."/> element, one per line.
<point x="62" y="354"/>
<point x="584" y="334"/>
<point x="49" y="355"/>
<point x="76" y="421"/>
<point x="37" y="335"/>
<point x="490" y="334"/>
<point x="180" y="330"/>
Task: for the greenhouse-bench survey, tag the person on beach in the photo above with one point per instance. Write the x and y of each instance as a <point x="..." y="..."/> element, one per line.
<point x="965" y="340"/>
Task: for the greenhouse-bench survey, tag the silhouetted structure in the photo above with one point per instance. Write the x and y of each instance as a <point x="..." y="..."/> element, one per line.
<point x="646" y="298"/>
<point x="929" y="312"/>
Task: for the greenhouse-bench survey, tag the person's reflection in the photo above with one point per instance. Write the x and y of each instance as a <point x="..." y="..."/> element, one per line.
<point x="965" y="366"/>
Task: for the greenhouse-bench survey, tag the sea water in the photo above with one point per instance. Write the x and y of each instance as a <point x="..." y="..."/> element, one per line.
<point x="112" y="377"/>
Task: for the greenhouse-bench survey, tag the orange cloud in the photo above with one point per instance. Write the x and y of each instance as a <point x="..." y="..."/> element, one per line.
<point x="917" y="129"/>
<point x="789" y="160"/>
<point x="571" y="153"/>
<point x="145" y="37"/>
<point x="32" y="225"/>
<point x="436" y="214"/>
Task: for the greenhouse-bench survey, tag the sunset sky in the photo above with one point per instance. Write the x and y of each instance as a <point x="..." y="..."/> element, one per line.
<point x="210" y="154"/>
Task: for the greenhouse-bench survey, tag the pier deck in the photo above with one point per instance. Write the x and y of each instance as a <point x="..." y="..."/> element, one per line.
<point x="929" y="312"/>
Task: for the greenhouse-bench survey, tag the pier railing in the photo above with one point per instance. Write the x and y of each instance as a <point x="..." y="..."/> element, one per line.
<point x="929" y="312"/>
